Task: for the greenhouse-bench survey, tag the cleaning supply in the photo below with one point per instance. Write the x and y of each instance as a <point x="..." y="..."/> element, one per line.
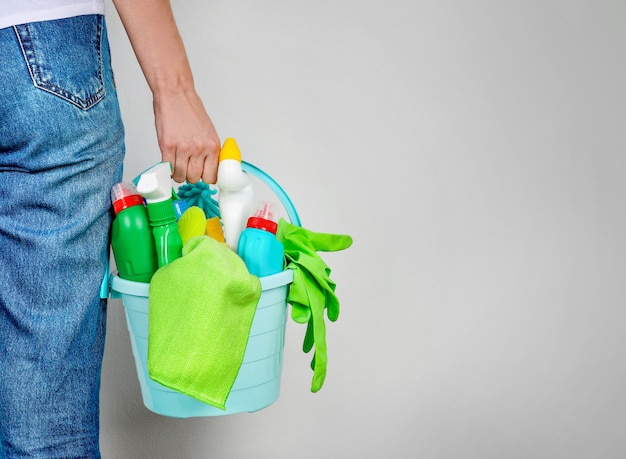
<point x="200" y="194"/>
<point x="155" y="185"/>
<point x="312" y="290"/>
<point x="197" y="337"/>
<point x="131" y="236"/>
<point x="192" y="223"/>
<point x="180" y="206"/>
<point x="236" y="195"/>
<point x="262" y="253"/>
<point x="214" y="229"/>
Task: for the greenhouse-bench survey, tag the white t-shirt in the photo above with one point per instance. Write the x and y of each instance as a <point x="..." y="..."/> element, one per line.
<point x="14" y="12"/>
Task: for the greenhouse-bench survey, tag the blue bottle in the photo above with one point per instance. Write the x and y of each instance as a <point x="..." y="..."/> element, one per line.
<point x="258" y="246"/>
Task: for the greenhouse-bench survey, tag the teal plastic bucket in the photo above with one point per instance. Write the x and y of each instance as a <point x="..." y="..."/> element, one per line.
<point x="258" y="382"/>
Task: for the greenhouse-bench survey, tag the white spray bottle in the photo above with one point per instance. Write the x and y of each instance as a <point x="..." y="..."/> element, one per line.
<point x="236" y="196"/>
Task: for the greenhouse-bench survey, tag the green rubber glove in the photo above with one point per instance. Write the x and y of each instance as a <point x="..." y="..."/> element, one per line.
<point x="312" y="290"/>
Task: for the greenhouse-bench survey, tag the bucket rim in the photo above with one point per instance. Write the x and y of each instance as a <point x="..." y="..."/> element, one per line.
<point x="129" y="287"/>
<point x="276" y="280"/>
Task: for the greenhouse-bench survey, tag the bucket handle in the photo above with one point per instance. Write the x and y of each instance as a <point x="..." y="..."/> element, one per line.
<point x="276" y="188"/>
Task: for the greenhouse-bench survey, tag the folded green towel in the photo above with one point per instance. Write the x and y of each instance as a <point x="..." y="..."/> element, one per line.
<point x="312" y="289"/>
<point x="201" y="308"/>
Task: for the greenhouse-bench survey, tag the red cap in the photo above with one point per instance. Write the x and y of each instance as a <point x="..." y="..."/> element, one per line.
<point x="125" y="195"/>
<point x="126" y="202"/>
<point x="263" y="224"/>
<point x="264" y="218"/>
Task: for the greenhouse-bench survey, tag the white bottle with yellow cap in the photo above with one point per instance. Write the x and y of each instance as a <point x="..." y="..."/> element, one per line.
<point x="235" y="193"/>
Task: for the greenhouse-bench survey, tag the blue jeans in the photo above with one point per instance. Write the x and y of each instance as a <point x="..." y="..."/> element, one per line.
<point x="61" y="150"/>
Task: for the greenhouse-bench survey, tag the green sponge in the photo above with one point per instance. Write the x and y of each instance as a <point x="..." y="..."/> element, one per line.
<point x="191" y="223"/>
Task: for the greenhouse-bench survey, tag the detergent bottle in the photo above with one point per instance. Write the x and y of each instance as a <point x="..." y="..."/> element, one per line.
<point x="259" y="248"/>
<point x="156" y="186"/>
<point x="236" y="196"/>
<point x="180" y="206"/>
<point x="131" y="236"/>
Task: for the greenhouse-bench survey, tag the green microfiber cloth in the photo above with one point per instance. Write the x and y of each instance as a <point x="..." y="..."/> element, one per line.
<point x="201" y="307"/>
<point x="312" y="289"/>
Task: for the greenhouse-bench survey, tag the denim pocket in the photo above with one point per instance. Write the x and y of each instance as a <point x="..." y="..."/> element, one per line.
<point x="64" y="57"/>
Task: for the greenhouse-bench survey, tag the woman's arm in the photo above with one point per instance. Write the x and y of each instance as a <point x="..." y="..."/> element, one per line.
<point x="186" y="135"/>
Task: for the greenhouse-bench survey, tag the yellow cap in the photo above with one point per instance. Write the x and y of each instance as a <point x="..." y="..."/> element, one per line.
<point x="230" y="150"/>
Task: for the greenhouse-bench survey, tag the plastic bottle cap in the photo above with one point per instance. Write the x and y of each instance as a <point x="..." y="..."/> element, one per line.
<point x="124" y="195"/>
<point x="155" y="184"/>
<point x="264" y="218"/>
<point x="262" y="224"/>
<point x="230" y="150"/>
<point x="161" y="213"/>
<point x="126" y="202"/>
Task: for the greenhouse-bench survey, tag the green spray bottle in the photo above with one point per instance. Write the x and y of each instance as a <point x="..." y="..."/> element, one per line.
<point x="155" y="185"/>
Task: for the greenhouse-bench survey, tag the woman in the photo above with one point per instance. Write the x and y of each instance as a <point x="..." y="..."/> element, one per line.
<point x="61" y="150"/>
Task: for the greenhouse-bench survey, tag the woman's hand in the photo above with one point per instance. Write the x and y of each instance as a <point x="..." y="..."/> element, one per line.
<point x="187" y="137"/>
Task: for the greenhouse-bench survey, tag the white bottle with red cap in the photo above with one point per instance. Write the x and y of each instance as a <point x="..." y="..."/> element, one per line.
<point x="259" y="248"/>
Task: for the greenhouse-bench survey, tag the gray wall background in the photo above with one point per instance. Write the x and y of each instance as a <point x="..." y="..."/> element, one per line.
<point x="475" y="152"/>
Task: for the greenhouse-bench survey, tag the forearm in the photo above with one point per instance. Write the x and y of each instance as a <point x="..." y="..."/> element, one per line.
<point x="159" y="48"/>
<point x="186" y="135"/>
